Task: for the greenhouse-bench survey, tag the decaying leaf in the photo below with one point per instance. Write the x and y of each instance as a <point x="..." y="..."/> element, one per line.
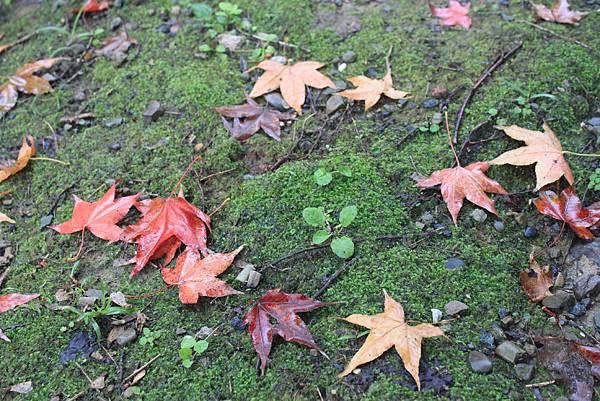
<point x="20" y="388"/>
<point x="567" y="207"/>
<point x="454" y="14"/>
<point x="251" y="117"/>
<point x="291" y="80"/>
<point x="543" y="148"/>
<point x="573" y="365"/>
<point x="91" y="6"/>
<point x="283" y="308"/>
<point x="26" y="152"/>
<point x="560" y="12"/>
<point x="11" y="301"/>
<point x="197" y="277"/>
<point x="24" y="81"/>
<point x="5" y="219"/>
<point x="388" y="329"/>
<point x="166" y="223"/>
<point x="116" y="46"/>
<point x="370" y="90"/>
<point x="469" y="182"/>
<point x="100" y="217"/>
<point x="536" y="281"/>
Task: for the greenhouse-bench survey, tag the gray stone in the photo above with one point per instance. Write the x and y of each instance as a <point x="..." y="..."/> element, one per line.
<point x="115" y="147"/>
<point x="46" y="221"/>
<point x="275" y="100"/>
<point x="426" y="218"/>
<point x="334" y="103"/>
<point x="116" y="23"/>
<point x="587" y="286"/>
<point x="87" y="301"/>
<point x="561" y="398"/>
<point x="253" y="279"/>
<point x="510" y="352"/>
<point x="594" y="121"/>
<point x="79" y="95"/>
<point x="524" y="371"/>
<point x="436" y="118"/>
<point x="498" y="225"/>
<point x="349" y="57"/>
<point x="597" y="319"/>
<point x="230" y="41"/>
<point x="454" y="263"/>
<point x="113" y="122"/>
<point x="478" y="215"/>
<point x="479" y="362"/>
<point x="530" y="232"/>
<point x="244" y="76"/>
<point x="430" y="103"/>
<point x="153" y="111"/>
<point x="92" y="292"/>
<point x="453" y="308"/>
<point x="279" y="59"/>
<point x="559" y="301"/>
<point x="119" y="3"/>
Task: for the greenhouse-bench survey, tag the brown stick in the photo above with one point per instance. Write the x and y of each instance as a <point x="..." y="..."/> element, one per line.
<point x="331" y="279"/>
<point x="501" y="59"/>
<point x="138" y="370"/>
<point x="558" y="35"/>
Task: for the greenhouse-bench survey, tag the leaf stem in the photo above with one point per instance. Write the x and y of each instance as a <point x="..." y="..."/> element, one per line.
<point x="450" y="139"/>
<point x="50" y="160"/>
<point x="184" y="174"/>
<point x="568" y="152"/>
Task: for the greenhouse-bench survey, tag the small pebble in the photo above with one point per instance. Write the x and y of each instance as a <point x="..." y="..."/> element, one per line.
<point x="115" y="147"/>
<point x="349" y="57"/>
<point x="119" y="3"/>
<point x="487" y="339"/>
<point x="237" y="323"/>
<point x="498" y="225"/>
<point x="478" y="215"/>
<point x="430" y="103"/>
<point x="116" y="23"/>
<point x="479" y="362"/>
<point x="530" y="232"/>
<point x="454" y="263"/>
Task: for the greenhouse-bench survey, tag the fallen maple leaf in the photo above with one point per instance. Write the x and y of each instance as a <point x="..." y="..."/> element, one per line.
<point x="389" y="329"/>
<point x="11" y="301"/>
<point x="166" y="223"/>
<point x="560" y="13"/>
<point x="468" y="182"/>
<point x="283" y="308"/>
<point x="5" y="219"/>
<point x="24" y="81"/>
<point x="196" y="277"/>
<point x="536" y="281"/>
<point x="454" y="14"/>
<point x="116" y="46"/>
<point x="91" y="6"/>
<point x="567" y="207"/>
<point x="100" y="217"/>
<point x="26" y="152"/>
<point x="370" y="90"/>
<point x="542" y="148"/>
<point x="255" y="117"/>
<point x="291" y="80"/>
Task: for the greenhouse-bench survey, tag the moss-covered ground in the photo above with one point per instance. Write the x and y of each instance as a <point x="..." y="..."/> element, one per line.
<point x="264" y="211"/>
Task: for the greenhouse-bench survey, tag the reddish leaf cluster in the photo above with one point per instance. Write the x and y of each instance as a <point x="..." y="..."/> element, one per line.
<point x="11" y="301"/>
<point x="91" y="6"/>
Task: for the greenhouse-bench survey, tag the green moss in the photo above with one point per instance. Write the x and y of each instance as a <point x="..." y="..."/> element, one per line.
<point x="265" y="208"/>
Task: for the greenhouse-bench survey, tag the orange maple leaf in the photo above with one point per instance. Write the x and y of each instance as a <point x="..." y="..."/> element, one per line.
<point x="291" y="80"/>
<point x="388" y="329"/>
<point x="26" y="152"/>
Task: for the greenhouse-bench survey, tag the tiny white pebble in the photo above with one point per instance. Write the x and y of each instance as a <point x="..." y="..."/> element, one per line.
<point x="342" y="67"/>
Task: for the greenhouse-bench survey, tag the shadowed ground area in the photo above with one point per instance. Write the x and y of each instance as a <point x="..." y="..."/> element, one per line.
<point x="405" y="239"/>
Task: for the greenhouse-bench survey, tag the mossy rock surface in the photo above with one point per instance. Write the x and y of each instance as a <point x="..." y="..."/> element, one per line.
<point x="559" y="78"/>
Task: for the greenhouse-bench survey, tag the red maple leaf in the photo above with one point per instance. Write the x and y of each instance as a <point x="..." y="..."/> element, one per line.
<point x="197" y="277"/>
<point x="100" y="217"/>
<point x="454" y="14"/>
<point x="567" y="207"/>
<point x="91" y="6"/>
<point x="11" y="301"/>
<point x="283" y="308"/>
<point x="166" y="223"/>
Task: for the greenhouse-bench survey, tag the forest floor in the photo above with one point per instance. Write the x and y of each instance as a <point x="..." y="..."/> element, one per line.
<point x="407" y="243"/>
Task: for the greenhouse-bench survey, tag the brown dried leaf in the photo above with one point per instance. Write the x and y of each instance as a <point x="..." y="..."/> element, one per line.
<point x="536" y="282"/>
<point x="560" y="13"/>
<point x="26" y="152"/>
<point x="370" y="90"/>
<point x="115" y="47"/>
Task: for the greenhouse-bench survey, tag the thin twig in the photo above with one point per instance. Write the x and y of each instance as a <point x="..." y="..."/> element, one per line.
<point x="558" y="35"/>
<point x="542" y="384"/>
<point x="501" y="59"/>
<point x="208" y="177"/>
<point x="331" y="279"/>
<point x="138" y="370"/>
<point x="220" y="207"/>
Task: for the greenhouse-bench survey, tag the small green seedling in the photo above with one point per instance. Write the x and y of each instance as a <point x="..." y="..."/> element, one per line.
<point x="323" y="177"/>
<point x="190" y="347"/>
<point x="149" y="336"/>
<point x="103" y="308"/>
<point x="342" y="246"/>
<point x="429" y="127"/>
<point x="595" y="180"/>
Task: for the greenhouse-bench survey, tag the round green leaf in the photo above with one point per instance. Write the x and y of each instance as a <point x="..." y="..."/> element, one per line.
<point x="347" y="215"/>
<point x="320" y="236"/>
<point x="187" y="363"/>
<point x="188" y="342"/>
<point x="345" y="171"/>
<point x="322" y="177"/>
<point x="201" y="346"/>
<point x="343" y="247"/>
<point x="314" y="216"/>
<point x="185" y="353"/>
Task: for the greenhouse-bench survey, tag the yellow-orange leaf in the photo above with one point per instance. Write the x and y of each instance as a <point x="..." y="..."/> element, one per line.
<point x="543" y="149"/>
<point x="27" y="152"/>
<point x="388" y="329"/>
<point x="290" y="79"/>
<point x="5" y="219"/>
<point x="370" y="90"/>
